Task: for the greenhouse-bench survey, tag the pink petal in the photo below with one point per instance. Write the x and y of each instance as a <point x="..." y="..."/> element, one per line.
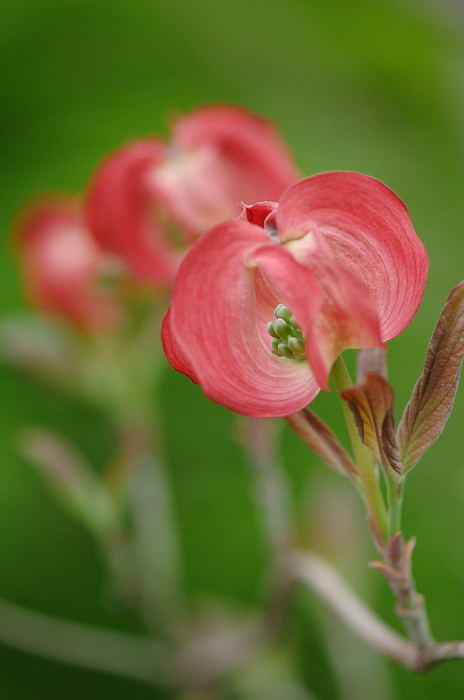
<point x="173" y="351"/>
<point x="123" y="215"/>
<point x="222" y="155"/>
<point x="369" y="231"/>
<point x="219" y="308"/>
<point x="62" y="265"/>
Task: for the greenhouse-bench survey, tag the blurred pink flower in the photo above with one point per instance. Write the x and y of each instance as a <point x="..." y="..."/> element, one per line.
<point x="62" y="264"/>
<point x="263" y="305"/>
<point x="147" y="200"/>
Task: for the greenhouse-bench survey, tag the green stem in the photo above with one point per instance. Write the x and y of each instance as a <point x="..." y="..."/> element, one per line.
<point x="367" y="471"/>
<point x="144" y="483"/>
<point x="122" y="378"/>
<point x="395" y="502"/>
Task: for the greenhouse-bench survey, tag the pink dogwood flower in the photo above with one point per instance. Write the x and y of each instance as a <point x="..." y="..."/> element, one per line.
<point x="262" y="305"/>
<point x="62" y="265"/>
<point x="147" y="200"/>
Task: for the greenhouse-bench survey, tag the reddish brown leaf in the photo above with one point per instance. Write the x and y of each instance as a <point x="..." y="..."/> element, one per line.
<point x="425" y="415"/>
<point x="321" y="440"/>
<point x="371" y="403"/>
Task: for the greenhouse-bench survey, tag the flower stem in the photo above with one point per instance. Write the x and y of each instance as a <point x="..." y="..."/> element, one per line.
<point x="370" y="484"/>
<point x="419" y="654"/>
<point x="154" y="539"/>
<point x="395" y="502"/>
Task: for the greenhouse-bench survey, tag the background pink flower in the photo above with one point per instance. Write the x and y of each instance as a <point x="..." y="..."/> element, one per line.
<point x="61" y="264"/>
<point x="147" y="200"/>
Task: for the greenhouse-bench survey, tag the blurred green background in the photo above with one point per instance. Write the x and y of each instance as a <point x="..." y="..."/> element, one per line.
<point x="362" y="85"/>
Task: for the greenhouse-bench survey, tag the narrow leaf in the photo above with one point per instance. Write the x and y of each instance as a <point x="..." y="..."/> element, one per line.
<point x="432" y="399"/>
<point x="371" y="403"/>
<point x="321" y="440"/>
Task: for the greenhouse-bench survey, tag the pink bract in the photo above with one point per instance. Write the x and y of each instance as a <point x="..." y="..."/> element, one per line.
<point x="62" y="265"/>
<point x="339" y="251"/>
<point x="148" y="200"/>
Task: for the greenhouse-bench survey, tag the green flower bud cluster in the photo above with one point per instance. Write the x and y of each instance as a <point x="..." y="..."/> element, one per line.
<point x="287" y="338"/>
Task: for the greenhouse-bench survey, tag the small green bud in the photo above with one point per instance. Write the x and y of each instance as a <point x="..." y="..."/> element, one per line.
<point x="282" y="312"/>
<point x="284" y="350"/>
<point x="275" y="342"/>
<point x="296" y="346"/>
<point x="282" y="329"/>
<point x="271" y="330"/>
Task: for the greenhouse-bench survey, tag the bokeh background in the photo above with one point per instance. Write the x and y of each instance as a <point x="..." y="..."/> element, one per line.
<point x="373" y="86"/>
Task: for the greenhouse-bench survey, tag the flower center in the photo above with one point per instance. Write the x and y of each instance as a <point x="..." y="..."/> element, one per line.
<point x="287" y="338"/>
